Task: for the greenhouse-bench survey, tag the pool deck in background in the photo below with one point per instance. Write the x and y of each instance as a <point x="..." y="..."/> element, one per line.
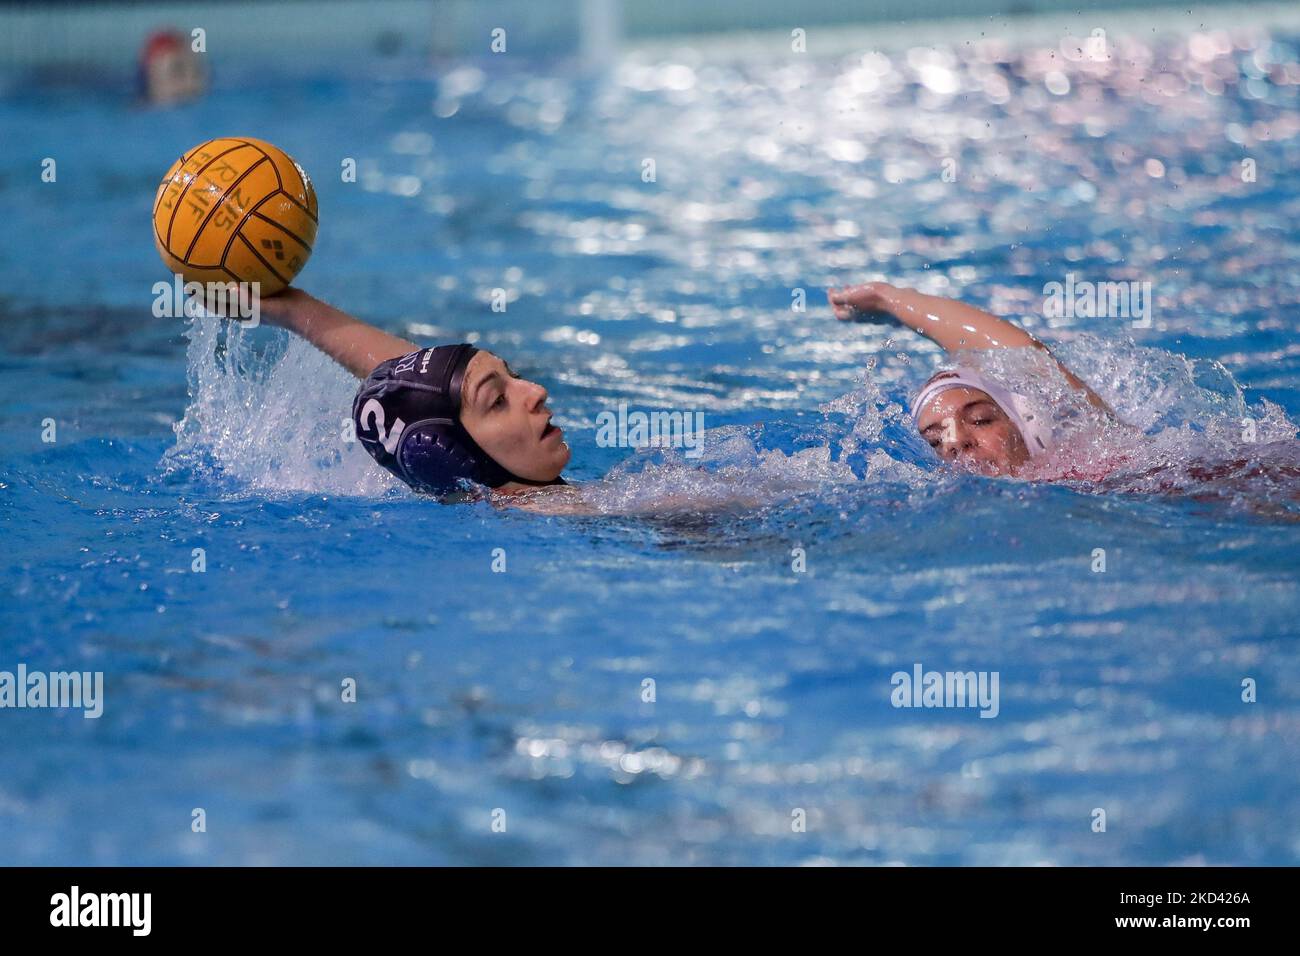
<point x="1046" y="27"/>
<point x="73" y="39"/>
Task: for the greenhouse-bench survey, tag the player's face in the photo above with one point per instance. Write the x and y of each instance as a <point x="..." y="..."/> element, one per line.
<point x="965" y="426"/>
<point x="509" y="419"/>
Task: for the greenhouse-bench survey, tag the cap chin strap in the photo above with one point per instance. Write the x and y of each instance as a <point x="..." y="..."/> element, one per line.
<point x="436" y="454"/>
<point x="488" y="471"/>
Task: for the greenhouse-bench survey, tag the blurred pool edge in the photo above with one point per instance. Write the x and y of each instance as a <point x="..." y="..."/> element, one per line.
<point x="1013" y="28"/>
<point x="82" y="40"/>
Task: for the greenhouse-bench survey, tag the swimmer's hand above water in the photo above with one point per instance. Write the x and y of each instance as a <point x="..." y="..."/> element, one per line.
<point x="862" y="302"/>
<point x="951" y="324"/>
<point x="354" y="344"/>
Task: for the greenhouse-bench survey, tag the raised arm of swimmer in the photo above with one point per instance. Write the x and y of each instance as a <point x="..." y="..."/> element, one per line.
<point x="953" y="325"/>
<point x="354" y="344"/>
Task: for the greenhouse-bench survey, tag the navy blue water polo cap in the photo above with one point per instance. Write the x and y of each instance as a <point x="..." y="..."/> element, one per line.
<point x="407" y="415"/>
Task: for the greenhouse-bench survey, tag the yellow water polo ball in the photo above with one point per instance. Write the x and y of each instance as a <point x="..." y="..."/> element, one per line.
<point x="236" y="209"/>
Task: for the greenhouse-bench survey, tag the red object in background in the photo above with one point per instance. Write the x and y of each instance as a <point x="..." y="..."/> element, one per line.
<point x="159" y="42"/>
<point x="169" y="71"/>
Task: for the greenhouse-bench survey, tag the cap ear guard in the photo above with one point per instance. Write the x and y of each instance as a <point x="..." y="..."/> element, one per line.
<point x="431" y="458"/>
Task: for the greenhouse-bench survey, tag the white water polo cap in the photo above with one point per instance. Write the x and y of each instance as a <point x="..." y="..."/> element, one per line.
<point x="1034" y="427"/>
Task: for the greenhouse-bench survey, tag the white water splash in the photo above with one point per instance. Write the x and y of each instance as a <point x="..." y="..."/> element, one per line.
<point x="270" y="414"/>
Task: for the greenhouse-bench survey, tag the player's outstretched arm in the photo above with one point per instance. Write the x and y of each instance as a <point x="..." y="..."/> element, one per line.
<point x="953" y="325"/>
<point x="354" y="344"/>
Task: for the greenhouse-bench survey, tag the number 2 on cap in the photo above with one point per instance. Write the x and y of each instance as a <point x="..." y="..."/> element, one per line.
<point x="372" y="409"/>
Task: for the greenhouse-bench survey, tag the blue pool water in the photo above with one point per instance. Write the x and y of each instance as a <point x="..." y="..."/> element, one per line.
<point x="523" y="691"/>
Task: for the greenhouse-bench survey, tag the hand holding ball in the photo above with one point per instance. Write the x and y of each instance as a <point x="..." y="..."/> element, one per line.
<point x="236" y="210"/>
